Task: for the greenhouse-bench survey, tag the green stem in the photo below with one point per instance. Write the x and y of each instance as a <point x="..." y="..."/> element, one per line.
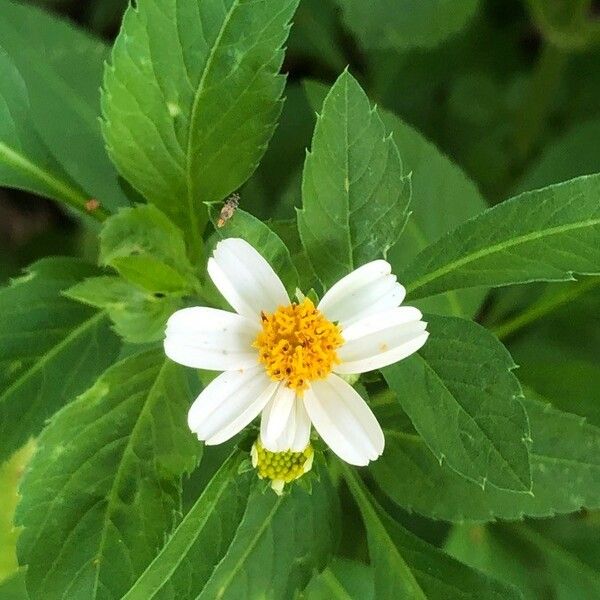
<point x="71" y="196"/>
<point x="537" y="103"/>
<point x="544" y="307"/>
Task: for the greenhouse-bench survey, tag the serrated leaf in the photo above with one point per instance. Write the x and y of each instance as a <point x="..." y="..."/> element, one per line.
<point x="565" y="472"/>
<point x="51" y="348"/>
<point x="263" y="238"/>
<point x="25" y="163"/>
<point x="147" y="250"/>
<point x="545" y="235"/>
<point x="407" y="567"/>
<point x="62" y="68"/>
<point x="463" y="399"/>
<point x="192" y="96"/>
<point x="406" y="23"/>
<point x="442" y="198"/>
<point x="138" y="316"/>
<point x="240" y="542"/>
<point x="355" y="196"/>
<point x="104" y="487"/>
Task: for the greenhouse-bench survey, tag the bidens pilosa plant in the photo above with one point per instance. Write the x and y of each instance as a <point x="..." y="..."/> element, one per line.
<point x="280" y="372"/>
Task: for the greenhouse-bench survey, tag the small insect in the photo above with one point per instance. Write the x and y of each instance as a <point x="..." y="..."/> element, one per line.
<point x="92" y="204"/>
<point x="228" y="209"/>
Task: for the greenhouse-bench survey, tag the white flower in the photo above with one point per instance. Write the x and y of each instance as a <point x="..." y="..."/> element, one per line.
<point x="283" y="359"/>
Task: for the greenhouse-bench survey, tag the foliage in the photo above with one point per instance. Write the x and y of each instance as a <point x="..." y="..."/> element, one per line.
<point x="407" y="154"/>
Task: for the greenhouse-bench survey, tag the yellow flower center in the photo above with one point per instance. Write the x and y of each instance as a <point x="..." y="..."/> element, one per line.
<point x="298" y="345"/>
<point x="281" y="467"/>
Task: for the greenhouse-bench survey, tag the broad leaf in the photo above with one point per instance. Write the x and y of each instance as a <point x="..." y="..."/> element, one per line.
<point x="407" y="567"/>
<point x="545" y="235"/>
<point x="62" y="68"/>
<point x="25" y="163"/>
<point x="51" y="348"/>
<point x="565" y="471"/>
<point x="406" y="23"/>
<point x="263" y="238"/>
<point x="464" y="400"/>
<point x="139" y="316"/>
<point x="13" y="588"/>
<point x="191" y="98"/>
<point x="104" y="488"/>
<point x="147" y="249"/>
<point x="240" y="541"/>
<point x="355" y="196"/>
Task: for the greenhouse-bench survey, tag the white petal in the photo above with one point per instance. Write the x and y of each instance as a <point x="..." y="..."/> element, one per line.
<point x="276" y="417"/>
<point x="380" y="340"/>
<point x="344" y="421"/>
<point x="302" y="426"/>
<point x="207" y="338"/>
<point x="229" y="403"/>
<point x="246" y="279"/>
<point x="367" y="290"/>
<point x="295" y="432"/>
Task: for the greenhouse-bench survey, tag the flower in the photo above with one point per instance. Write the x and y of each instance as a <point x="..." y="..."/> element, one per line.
<point x="287" y="360"/>
<point x="281" y="467"/>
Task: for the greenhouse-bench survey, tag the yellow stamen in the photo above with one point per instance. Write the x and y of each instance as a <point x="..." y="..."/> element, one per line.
<point x="298" y="345"/>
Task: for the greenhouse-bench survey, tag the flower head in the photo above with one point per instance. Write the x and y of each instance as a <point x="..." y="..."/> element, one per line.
<point x="284" y="359"/>
<point x="281" y="467"/>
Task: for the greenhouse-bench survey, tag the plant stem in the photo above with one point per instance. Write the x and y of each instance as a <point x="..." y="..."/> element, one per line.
<point x="544" y="307"/>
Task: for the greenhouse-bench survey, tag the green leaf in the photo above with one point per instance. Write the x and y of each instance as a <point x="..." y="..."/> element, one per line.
<point x="565" y="472"/>
<point x="571" y="155"/>
<point x="240" y="541"/>
<point x="191" y="98"/>
<point x="51" y="348"/>
<point x="547" y="559"/>
<point x="406" y="23"/>
<point x="104" y="487"/>
<point x="407" y="567"/>
<point x="25" y="162"/>
<point x="545" y="235"/>
<point x="62" y="68"/>
<point x="355" y="197"/>
<point x="463" y="399"/>
<point x="442" y="198"/>
<point x="138" y="316"/>
<point x="147" y="250"/>
<point x="263" y="238"/>
<point x="343" y="579"/>
<point x="14" y="588"/>
<point x="10" y="476"/>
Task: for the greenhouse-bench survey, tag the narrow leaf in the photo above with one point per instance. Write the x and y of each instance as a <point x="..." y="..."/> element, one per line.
<point x="25" y="162"/>
<point x="239" y="541"/>
<point x="407" y="567"/>
<point x="464" y="400"/>
<point x="62" y="68"/>
<point x="545" y="235"/>
<point x="355" y="197"/>
<point x="104" y="488"/>
<point x="51" y="348"/>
